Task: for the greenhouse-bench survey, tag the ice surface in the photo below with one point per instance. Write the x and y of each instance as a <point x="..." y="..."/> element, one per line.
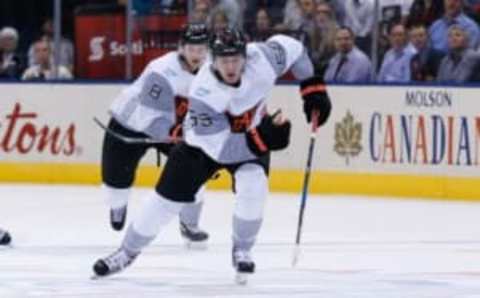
<point x="352" y="247"/>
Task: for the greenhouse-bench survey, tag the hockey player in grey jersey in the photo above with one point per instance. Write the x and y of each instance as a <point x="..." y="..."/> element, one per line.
<point x="153" y="106"/>
<point x="5" y="237"/>
<point x="227" y="127"/>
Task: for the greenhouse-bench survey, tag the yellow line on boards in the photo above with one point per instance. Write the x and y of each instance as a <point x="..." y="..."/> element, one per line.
<point x="436" y="187"/>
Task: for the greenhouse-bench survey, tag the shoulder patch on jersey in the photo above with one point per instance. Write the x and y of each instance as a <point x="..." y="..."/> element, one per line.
<point x="201" y="91"/>
<point x="276" y="55"/>
<point x="278" y="51"/>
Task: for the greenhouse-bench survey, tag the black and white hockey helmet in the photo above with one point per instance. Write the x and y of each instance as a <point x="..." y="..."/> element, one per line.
<point x="195" y="33"/>
<point x="228" y="42"/>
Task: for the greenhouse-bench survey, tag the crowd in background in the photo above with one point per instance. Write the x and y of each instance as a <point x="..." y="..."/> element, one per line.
<point x="417" y="40"/>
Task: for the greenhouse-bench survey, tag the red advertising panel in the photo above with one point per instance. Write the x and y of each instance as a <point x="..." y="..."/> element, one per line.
<point x="101" y="48"/>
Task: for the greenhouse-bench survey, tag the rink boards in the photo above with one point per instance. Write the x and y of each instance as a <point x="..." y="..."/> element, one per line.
<point x="380" y="140"/>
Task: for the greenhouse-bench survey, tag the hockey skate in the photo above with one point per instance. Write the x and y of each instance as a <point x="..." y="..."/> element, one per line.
<point x="112" y="264"/>
<point x="5" y="237"/>
<point x="194" y="237"/>
<point x="117" y="218"/>
<point x="243" y="264"/>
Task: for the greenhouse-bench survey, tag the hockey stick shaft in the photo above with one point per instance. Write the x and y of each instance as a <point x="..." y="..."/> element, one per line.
<point x="129" y="140"/>
<point x="306" y="183"/>
<point x="305" y="188"/>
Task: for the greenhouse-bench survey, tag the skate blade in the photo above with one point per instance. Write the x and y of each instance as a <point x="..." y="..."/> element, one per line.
<point x="241" y="278"/>
<point x="99" y="277"/>
<point x="195" y="245"/>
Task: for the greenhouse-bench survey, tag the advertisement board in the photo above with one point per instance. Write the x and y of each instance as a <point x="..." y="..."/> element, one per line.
<point x="397" y="140"/>
<point x="100" y="43"/>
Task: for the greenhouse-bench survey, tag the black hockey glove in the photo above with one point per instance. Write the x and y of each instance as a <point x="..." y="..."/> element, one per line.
<point x="268" y="135"/>
<point x="315" y="98"/>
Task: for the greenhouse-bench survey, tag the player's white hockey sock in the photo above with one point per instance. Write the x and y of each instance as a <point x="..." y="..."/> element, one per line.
<point x="116" y="197"/>
<point x="156" y="213"/>
<point x="245" y="233"/>
<point x="251" y="184"/>
<point x="190" y="214"/>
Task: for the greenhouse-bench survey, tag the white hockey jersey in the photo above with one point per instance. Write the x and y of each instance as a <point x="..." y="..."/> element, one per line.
<point x="157" y="100"/>
<point x="219" y="114"/>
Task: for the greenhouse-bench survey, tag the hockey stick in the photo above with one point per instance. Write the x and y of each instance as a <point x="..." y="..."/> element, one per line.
<point x="129" y="140"/>
<point x="306" y="181"/>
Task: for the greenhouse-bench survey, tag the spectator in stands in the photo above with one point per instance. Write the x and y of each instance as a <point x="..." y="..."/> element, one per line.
<point x="396" y="63"/>
<point x="200" y="13"/>
<point x="299" y="15"/>
<point x="338" y="8"/>
<point x="43" y="69"/>
<point x="172" y="6"/>
<point x="394" y="12"/>
<point x="359" y="17"/>
<point x="453" y="16"/>
<point x="218" y="20"/>
<point x="11" y="62"/>
<point x="349" y="63"/>
<point x="274" y="9"/>
<point x="425" y="12"/>
<point x="233" y="9"/>
<point x="472" y="8"/>
<point x="66" y="47"/>
<point x="390" y="13"/>
<point x="424" y="64"/>
<point x="462" y="64"/>
<point x="322" y="40"/>
<point x="472" y="4"/>
<point x="263" y="26"/>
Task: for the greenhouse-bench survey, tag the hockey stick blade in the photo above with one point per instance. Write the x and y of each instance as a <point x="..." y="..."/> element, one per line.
<point x="296" y="255"/>
<point x="126" y="139"/>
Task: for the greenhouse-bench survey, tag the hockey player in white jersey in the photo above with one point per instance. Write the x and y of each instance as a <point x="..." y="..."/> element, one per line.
<point x="227" y="128"/>
<point x="5" y="237"/>
<point x="154" y="106"/>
